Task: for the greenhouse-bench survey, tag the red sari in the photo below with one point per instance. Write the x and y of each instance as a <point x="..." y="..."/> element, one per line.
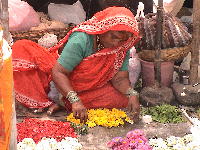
<point x="32" y="66"/>
<point x="91" y="78"/>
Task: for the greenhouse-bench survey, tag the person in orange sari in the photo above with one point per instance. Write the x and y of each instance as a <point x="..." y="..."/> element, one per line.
<point x="92" y="70"/>
<point x="7" y="117"/>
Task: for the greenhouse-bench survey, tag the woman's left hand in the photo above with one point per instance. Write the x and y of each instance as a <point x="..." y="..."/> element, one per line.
<point x="134" y="107"/>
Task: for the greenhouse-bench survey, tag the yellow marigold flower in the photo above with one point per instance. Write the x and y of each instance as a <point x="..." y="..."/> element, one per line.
<point x="91" y="124"/>
<point x="127" y="119"/>
<point x="103" y="117"/>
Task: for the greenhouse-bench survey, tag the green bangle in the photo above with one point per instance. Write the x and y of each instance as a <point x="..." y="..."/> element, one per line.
<point x="72" y="96"/>
<point x="131" y="92"/>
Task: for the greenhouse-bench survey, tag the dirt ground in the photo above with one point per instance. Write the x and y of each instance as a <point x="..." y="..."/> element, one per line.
<point x="97" y="137"/>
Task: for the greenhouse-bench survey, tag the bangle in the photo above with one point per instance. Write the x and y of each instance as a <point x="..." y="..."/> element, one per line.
<point x="72" y="96"/>
<point x="131" y="92"/>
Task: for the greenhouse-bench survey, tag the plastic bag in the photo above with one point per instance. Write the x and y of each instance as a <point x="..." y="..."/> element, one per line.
<point x="21" y="16"/>
<point x="170" y="6"/>
<point x="134" y="67"/>
<point x="48" y="40"/>
<point x="67" y="13"/>
<point x="53" y="93"/>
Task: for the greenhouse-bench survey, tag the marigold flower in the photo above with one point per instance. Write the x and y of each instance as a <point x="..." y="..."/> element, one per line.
<point x="103" y="117"/>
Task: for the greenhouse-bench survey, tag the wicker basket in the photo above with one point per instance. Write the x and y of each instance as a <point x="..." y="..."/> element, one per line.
<point x="170" y="54"/>
<point x="37" y="34"/>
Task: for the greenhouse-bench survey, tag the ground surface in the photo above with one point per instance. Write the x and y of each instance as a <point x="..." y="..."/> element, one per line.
<point x="97" y="137"/>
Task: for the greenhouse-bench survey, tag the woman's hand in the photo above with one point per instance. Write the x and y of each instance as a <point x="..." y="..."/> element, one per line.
<point x="79" y="111"/>
<point x="134" y="107"/>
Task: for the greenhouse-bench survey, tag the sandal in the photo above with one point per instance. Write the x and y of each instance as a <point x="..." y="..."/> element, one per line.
<point x="38" y="110"/>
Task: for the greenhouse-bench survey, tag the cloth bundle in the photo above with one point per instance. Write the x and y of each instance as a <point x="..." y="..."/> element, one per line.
<point x="21" y="16"/>
<point x="175" y="34"/>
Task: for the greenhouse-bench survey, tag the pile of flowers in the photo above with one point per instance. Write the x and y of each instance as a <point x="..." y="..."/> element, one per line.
<point x="134" y="140"/>
<point x="188" y="142"/>
<point x="37" y="129"/>
<point x="164" y="113"/>
<point x="68" y="143"/>
<point x="175" y="143"/>
<point x="103" y="117"/>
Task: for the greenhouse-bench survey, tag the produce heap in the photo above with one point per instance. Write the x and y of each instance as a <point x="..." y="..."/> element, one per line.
<point x="36" y="134"/>
<point x="103" y="117"/>
<point x="37" y="129"/>
<point x="68" y="143"/>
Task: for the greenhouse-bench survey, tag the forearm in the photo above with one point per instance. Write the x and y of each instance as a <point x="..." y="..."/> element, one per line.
<point x="62" y="83"/>
<point x="122" y="84"/>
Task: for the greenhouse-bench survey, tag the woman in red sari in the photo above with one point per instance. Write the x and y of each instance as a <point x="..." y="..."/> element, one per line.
<point x="32" y="65"/>
<point x="92" y="71"/>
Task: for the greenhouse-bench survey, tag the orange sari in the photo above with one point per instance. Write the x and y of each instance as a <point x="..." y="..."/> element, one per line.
<point x="91" y="78"/>
<point x="6" y="96"/>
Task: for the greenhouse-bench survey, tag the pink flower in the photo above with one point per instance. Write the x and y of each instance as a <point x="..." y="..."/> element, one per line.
<point x="145" y="146"/>
<point x="134" y="140"/>
<point x="135" y="133"/>
<point x="115" y="142"/>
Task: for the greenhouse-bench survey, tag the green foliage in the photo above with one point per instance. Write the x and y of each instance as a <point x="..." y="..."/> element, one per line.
<point x="198" y="111"/>
<point x="164" y="113"/>
<point x="80" y="129"/>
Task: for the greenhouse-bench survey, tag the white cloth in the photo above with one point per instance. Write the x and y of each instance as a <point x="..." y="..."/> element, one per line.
<point x="170" y="6"/>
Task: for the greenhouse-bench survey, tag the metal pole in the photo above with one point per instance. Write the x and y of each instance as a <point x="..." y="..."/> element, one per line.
<point x="195" y="43"/>
<point x="159" y="29"/>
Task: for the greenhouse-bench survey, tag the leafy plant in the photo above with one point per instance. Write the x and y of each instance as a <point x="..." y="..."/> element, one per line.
<point x="198" y="111"/>
<point x="80" y="129"/>
<point x="164" y="113"/>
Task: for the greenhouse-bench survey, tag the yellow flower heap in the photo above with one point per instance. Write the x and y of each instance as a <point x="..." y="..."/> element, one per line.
<point x="103" y="117"/>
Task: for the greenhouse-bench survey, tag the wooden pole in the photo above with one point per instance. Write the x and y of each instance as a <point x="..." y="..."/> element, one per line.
<point x="4" y="20"/>
<point x="4" y="16"/>
<point x="195" y="43"/>
<point x="159" y="29"/>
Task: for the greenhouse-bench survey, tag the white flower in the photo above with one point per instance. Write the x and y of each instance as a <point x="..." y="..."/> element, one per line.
<point x="172" y="140"/>
<point x="183" y="94"/>
<point x="69" y="143"/>
<point x="147" y="119"/>
<point x="196" y="134"/>
<point x="21" y="146"/>
<point x="28" y="141"/>
<point x="47" y="144"/>
<point x="188" y="138"/>
<point x="179" y="146"/>
<point x="26" y="144"/>
<point x="158" y="144"/>
<point x="190" y="146"/>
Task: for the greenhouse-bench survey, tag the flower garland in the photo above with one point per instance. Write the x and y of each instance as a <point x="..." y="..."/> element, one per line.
<point x="103" y="117"/>
<point x="37" y="129"/>
<point x="134" y="140"/>
<point x="68" y="143"/>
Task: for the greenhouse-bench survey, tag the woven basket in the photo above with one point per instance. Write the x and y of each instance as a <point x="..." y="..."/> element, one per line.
<point x="170" y="54"/>
<point x="37" y="34"/>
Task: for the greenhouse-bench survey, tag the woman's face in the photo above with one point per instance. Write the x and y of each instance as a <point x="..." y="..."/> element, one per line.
<point x="114" y="38"/>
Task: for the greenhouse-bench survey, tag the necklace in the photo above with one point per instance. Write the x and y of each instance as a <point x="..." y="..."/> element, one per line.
<point x="99" y="45"/>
